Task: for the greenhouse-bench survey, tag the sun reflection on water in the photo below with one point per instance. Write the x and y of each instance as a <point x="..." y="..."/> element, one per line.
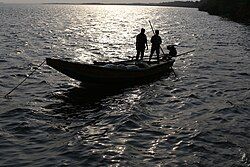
<point x="111" y="28"/>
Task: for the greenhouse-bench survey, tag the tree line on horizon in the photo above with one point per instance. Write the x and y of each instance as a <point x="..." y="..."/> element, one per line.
<point x="189" y="4"/>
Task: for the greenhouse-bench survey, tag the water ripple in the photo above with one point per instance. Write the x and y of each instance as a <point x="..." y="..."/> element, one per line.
<point x="199" y="118"/>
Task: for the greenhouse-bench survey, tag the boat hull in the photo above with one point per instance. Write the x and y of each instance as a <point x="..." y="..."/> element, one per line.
<point x="99" y="74"/>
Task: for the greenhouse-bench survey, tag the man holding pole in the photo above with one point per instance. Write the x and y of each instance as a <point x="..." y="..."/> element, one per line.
<point x="156" y="44"/>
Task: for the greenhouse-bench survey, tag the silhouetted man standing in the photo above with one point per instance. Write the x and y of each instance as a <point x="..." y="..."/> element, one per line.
<point x="156" y="42"/>
<point x="141" y="42"/>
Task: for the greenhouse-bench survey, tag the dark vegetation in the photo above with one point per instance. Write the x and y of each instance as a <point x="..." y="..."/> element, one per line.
<point x="237" y="10"/>
<point x="189" y="4"/>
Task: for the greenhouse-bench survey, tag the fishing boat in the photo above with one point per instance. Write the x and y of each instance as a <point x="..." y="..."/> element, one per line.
<point x="113" y="73"/>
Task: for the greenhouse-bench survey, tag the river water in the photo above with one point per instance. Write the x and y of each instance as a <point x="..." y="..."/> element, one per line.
<point x="199" y="118"/>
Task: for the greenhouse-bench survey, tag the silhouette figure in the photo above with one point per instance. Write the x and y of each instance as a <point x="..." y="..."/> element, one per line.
<point x="156" y="42"/>
<point x="172" y="52"/>
<point x="141" y="42"/>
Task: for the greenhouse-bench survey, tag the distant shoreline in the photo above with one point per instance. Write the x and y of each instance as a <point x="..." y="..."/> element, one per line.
<point x="187" y="4"/>
<point x="238" y="11"/>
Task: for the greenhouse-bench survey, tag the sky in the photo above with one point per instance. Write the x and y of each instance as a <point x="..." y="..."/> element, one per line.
<point x="88" y="1"/>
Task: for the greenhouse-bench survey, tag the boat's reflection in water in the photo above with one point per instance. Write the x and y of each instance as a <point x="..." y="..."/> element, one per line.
<point x="81" y="101"/>
<point x="83" y="95"/>
<point x="90" y="96"/>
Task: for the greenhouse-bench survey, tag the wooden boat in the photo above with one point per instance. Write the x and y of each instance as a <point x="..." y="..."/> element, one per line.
<point x="117" y="73"/>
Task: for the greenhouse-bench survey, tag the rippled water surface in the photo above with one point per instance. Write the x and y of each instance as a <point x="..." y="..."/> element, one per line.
<point x="200" y="118"/>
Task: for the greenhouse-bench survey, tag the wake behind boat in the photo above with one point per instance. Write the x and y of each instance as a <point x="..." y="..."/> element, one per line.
<point x="116" y="73"/>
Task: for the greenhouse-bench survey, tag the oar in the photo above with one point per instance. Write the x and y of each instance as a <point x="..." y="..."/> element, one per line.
<point x="161" y="47"/>
<point x="24" y="79"/>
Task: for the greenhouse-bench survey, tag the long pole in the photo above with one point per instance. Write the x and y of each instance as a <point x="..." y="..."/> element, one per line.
<point x="185" y="53"/>
<point x="24" y="80"/>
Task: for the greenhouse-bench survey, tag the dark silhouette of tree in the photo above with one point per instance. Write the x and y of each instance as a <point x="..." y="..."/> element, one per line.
<point x="189" y="4"/>
<point x="237" y="10"/>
